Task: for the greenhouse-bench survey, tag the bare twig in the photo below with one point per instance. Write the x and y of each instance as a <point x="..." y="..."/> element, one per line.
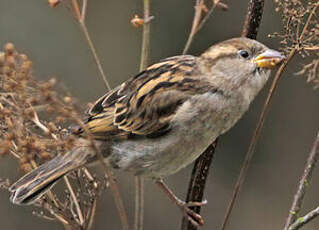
<point x="303" y="185"/>
<point x="145" y="51"/>
<point x="198" y="12"/>
<point x="197" y="23"/>
<point x="81" y="20"/>
<point x="84" y="7"/>
<point x="259" y="126"/>
<point x="76" y="203"/>
<point x="197" y="182"/>
<point x="301" y="221"/>
<point x="139" y="203"/>
<point x="146" y="36"/>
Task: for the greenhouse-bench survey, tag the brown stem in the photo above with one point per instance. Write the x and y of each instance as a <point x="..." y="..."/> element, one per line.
<point x="139" y="203"/>
<point x="81" y="20"/>
<point x="197" y="182"/>
<point x="253" y="19"/>
<point x="303" y="185"/>
<point x="196" y="20"/>
<point x="145" y="51"/>
<point x="198" y="24"/>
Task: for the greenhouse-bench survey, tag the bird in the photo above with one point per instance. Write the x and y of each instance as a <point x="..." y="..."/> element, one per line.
<point x="162" y="119"/>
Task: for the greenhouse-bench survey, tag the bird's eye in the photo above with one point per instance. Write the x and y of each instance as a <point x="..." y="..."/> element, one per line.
<point x="244" y="53"/>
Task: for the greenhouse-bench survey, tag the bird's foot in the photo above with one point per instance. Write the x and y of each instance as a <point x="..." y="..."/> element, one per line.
<point x="190" y="214"/>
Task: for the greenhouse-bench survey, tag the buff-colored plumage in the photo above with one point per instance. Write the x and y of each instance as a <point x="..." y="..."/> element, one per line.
<point x="161" y="120"/>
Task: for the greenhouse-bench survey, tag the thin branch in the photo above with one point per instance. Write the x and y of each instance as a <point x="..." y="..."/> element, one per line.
<point x="197" y="182"/>
<point x="198" y="24"/>
<point x="83" y="12"/>
<point x="145" y="51"/>
<point x="139" y="203"/>
<point x="198" y="12"/>
<point x="81" y="21"/>
<point x="301" y="221"/>
<point x="75" y="200"/>
<point x="303" y="185"/>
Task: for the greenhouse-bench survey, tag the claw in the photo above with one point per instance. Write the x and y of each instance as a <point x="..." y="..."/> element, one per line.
<point x="191" y="215"/>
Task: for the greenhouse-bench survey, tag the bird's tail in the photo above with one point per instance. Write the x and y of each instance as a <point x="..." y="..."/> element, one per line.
<point x="34" y="184"/>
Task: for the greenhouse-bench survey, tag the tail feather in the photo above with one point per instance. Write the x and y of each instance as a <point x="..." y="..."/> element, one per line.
<point x="34" y="184"/>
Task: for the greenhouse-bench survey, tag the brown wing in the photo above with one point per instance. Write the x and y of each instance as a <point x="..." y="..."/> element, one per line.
<point x="145" y="104"/>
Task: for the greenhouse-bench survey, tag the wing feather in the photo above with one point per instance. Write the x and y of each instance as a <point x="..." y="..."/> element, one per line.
<point x="145" y="104"/>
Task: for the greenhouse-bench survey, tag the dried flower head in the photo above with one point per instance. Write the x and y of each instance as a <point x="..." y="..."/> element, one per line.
<point x="301" y="32"/>
<point x="34" y="122"/>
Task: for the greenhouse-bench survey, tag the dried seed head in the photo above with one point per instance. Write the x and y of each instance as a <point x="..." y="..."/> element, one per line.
<point x="9" y="48"/>
<point x="67" y="99"/>
<point x="2" y="58"/>
<point x="54" y="3"/>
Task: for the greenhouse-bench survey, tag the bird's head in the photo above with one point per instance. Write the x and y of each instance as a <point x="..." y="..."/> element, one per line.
<point x="240" y="64"/>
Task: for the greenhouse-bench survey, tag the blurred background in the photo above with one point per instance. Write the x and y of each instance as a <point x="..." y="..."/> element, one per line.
<point x="54" y="42"/>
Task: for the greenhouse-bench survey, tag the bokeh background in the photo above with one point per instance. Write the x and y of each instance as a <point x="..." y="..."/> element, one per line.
<point x="55" y="43"/>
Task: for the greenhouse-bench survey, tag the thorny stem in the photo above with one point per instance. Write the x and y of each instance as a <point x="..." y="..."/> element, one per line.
<point x="303" y="185"/>
<point x="145" y="51"/>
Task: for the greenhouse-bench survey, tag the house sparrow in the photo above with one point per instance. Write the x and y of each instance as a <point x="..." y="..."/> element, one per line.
<point x="161" y="120"/>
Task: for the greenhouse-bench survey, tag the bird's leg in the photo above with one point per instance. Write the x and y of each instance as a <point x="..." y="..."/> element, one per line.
<point x="192" y="216"/>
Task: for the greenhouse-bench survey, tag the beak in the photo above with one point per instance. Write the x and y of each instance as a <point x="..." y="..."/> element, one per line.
<point x="268" y="59"/>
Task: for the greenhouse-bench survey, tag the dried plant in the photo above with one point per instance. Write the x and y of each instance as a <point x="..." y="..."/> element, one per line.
<point x="33" y="128"/>
<point x="301" y="32"/>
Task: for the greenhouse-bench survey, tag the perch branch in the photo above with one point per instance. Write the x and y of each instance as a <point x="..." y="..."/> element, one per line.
<point x="253" y="19"/>
<point x="197" y="182"/>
